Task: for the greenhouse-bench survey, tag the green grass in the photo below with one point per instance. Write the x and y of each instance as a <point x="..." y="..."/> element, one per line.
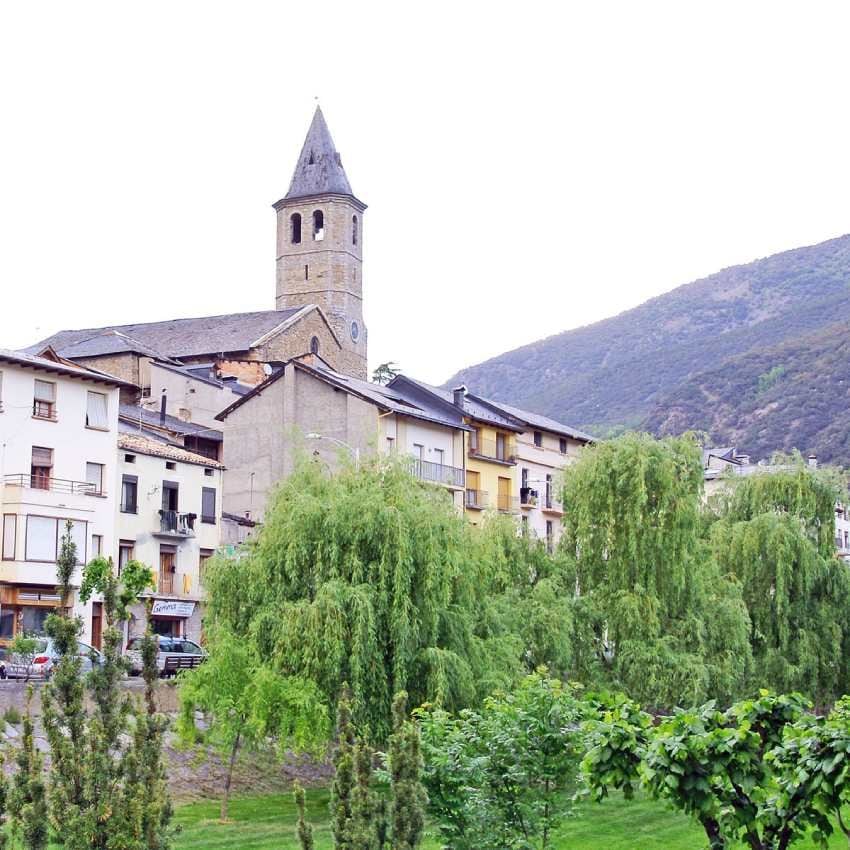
<point x="268" y="823"/>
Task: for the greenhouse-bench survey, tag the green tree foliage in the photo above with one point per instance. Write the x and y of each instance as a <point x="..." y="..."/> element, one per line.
<point x="342" y="788"/>
<point x="385" y="372"/>
<point x="24" y="648"/>
<point x="366" y="577"/>
<point x="498" y="778"/>
<point x="407" y="811"/>
<point x="653" y="615"/>
<point x="304" y="829"/>
<point x="742" y="773"/>
<point x="775" y="535"/>
<point x="101" y="791"/>
<point x="27" y="799"/>
<point x="246" y="704"/>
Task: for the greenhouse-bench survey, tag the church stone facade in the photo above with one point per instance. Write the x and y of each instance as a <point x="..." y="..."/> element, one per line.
<point x="320" y="245"/>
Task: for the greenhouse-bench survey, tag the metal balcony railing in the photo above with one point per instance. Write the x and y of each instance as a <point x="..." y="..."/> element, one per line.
<point x="528" y="497"/>
<point x="56" y="485"/>
<point x="476" y="499"/>
<point x="507" y="504"/>
<point x="501" y="450"/>
<point x="180" y="525"/>
<point x="439" y="473"/>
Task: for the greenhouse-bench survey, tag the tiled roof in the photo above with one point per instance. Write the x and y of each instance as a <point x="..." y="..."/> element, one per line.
<point x="319" y="169"/>
<point x="176" y="337"/>
<point x="544" y="423"/>
<point x="22" y="358"/>
<point x="147" y="446"/>
<point x="472" y="407"/>
<point x="130" y="413"/>
<point x="109" y="341"/>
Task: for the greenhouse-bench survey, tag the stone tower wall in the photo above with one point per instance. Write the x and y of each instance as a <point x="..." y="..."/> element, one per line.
<point x="327" y="272"/>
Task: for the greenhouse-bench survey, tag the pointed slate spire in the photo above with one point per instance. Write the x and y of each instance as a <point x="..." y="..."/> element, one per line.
<point x="319" y="170"/>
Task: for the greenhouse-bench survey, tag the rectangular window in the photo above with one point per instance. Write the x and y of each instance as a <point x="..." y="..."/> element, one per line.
<point x="7" y="623"/>
<point x="94" y="476"/>
<point x="44" y="400"/>
<point x="170" y="464"/>
<point x="97" y="408"/>
<point x="209" y="473"/>
<point x="208" y="505"/>
<point x="129" y="494"/>
<point x="524" y="478"/>
<point x="96" y="545"/>
<point x="440" y="456"/>
<point x="41" y="468"/>
<point x="501" y="453"/>
<point x="538" y="439"/>
<point x="10" y="536"/>
<point x="563" y="445"/>
<point x="474" y="439"/>
<point x="419" y="451"/>
<point x="205" y="555"/>
<point x="129" y="458"/>
<point x="41" y="539"/>
<point x="125" y="553"/>
<point x="548" y="491"/>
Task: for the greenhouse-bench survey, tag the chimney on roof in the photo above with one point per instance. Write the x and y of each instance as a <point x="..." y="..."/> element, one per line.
<point x="812" y="461"/>
<point x="458" y="396"/>
<point x="162" y="403"/>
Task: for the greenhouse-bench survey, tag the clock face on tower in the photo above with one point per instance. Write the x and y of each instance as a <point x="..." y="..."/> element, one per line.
<point x="355" y="331"/>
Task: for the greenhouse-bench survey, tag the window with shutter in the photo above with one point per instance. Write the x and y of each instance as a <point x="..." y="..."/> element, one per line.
<point x="94" y="476"/>
<point x="97" y="411"/>
<point x="41" y="469"/>
<point x="44" y="400"/>
<point x="129" y="494"/>
<point x="208" y="505"/>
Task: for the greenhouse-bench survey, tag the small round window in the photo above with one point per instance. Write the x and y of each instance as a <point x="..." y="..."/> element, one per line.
<point x="314" y="345"/>
<point x="355" y="331"/>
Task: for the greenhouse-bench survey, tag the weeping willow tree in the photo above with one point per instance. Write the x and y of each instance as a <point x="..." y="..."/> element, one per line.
<point x="366" y="577"/>
<point x="775" y="535"/>
<point x="652" y="615"/>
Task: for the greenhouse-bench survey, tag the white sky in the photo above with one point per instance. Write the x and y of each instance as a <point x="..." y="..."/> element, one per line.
<point x="528" y="167"/>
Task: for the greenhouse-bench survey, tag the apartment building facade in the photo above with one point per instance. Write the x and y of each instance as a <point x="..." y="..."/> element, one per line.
<point x="58" y="431"/>
<point x="168" y="518"/>
<point x="328" y="415"/>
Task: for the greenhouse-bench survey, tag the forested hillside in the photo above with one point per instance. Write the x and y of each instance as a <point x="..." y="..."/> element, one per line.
<point x="754" y="354"/>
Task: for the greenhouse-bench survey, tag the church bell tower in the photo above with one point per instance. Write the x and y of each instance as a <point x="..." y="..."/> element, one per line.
<point x="320" y="244"/>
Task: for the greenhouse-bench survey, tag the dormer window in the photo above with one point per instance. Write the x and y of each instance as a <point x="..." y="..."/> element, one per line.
<point x="295" y="228"/>
<point x="318" y="226"/>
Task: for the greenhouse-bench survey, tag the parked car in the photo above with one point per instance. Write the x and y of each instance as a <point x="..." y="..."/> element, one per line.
<point x="174" y="654"/>
<point x="44" y="660"/>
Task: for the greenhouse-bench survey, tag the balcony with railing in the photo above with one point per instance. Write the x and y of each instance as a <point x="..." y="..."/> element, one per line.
<point x="507" y="504"/>
<point x="174" y="524"/>
<point x="53" y="485"/>
<point x="528" y="497"/>
<point x="551" y="505"/>
<point x="476" y="500"/>
<point x="501" y="450"/>
<point x="438" y="473"/>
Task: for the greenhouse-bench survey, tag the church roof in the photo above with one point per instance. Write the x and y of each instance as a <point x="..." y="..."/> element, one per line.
<point x="319" y="170"/>
<point x="173" y="338"/>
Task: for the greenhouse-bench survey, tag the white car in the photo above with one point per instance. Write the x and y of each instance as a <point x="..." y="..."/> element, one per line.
<point x="45" y="659"/>
<point x="174" y="654"/>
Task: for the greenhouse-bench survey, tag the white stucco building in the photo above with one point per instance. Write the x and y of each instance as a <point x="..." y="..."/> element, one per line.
<point x="168" y="516"/>
<point x="58" y="431"/>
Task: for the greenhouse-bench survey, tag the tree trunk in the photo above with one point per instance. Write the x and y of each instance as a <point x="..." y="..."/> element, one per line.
<point x="712" y="829"/>
<point x="229" y="778"/>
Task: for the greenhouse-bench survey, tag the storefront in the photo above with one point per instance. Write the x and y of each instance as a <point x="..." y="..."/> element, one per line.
<point x="24" y="609"/>
<point x="168" y="617"/>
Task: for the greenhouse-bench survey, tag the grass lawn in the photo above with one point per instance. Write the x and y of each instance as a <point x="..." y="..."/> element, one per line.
<point x="268" y="823"/>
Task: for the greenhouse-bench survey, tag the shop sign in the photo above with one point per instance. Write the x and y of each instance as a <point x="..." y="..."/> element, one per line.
<point x="172" y="608"/>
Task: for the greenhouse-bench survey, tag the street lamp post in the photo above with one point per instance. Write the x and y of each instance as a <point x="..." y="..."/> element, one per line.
<point x="354" y="450"/>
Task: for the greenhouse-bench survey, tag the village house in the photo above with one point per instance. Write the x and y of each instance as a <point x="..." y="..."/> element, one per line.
<point x="309" y="409"/>
<point x="58" y="433"/>
<point x="169" y="518"/>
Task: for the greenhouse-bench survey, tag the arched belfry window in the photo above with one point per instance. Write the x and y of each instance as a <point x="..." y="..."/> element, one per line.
<point x="354" y="230"/>
<point x="318" y="225"/>
<point x="295" y="228"/>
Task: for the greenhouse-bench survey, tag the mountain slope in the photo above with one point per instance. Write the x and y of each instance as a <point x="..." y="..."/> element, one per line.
<point x="792" y="395"/>
<point x="620" y="371"/>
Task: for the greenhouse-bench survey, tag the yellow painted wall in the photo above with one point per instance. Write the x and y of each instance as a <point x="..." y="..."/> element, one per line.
<point x="489" y="470"/>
